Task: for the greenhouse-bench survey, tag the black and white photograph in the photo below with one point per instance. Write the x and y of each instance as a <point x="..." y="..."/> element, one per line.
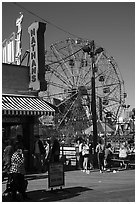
<point x="68" y="101"/>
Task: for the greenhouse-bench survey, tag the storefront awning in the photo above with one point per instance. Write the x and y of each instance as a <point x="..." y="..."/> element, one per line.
<point x="25" y="105"/>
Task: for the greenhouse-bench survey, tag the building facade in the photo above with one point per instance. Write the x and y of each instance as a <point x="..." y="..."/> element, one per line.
<point x="21" y="108"/>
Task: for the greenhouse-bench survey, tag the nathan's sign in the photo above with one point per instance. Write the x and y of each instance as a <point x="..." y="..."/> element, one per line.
<point x="37" y="56"/>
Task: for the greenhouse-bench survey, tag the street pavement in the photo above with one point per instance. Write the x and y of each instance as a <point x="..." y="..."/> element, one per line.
<point x="82" y="187"/>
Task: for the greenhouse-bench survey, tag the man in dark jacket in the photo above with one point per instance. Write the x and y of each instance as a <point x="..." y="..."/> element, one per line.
<point x="108" y="157"/>
<point x="39" y="151"/>
<point x="55" y="150"/>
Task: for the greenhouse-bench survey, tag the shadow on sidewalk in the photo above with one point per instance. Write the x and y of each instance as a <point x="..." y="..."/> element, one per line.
<point x="36" y="176"/>
<point x="51" y="196"/>
<point x="56" y="195"/>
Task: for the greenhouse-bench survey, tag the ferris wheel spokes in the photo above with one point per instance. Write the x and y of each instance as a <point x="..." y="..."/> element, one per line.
<point x="57" y="85"/>
<point x="60" y="77"/>
<point x="72" y="61"/>
<point x="62" y="63"/>
<point x="67" y="112"/>
<point x="67" y="98"/>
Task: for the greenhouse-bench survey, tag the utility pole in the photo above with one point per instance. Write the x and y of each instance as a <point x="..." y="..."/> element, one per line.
<point x="93" y="99"/>
<point x="90" y="49"/>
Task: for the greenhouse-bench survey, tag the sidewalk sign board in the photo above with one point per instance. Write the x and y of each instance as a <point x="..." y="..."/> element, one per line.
<point x="55" y="175"/>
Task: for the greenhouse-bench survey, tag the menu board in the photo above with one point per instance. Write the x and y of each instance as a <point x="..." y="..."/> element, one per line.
<point x="55" y="175"/>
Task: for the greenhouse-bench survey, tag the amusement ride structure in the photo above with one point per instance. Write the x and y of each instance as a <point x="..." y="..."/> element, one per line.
<point x="70" y="67"/>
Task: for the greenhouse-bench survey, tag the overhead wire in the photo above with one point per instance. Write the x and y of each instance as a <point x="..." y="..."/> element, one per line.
<point x="48" y="22"/>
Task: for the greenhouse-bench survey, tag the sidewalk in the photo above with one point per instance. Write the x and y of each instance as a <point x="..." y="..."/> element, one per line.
<point x="82" y="187"/>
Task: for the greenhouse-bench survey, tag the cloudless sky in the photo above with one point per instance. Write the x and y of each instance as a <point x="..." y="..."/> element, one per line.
<point x="110" y="24"/>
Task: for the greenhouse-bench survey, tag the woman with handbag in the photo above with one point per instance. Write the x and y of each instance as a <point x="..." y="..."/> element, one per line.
<point x="85" y="153"/>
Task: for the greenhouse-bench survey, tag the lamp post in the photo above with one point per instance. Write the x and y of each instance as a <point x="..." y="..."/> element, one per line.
<point x="93" y="100"/>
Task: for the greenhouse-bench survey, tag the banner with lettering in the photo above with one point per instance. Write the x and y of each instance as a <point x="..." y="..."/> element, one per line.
<point x="37" y="56"/>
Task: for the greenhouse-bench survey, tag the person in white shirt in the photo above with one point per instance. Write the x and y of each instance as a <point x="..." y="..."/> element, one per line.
<point x="85" y="153"/>
<point x="123" y="151"/>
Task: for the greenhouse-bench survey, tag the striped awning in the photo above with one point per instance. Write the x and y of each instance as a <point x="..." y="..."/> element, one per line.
<point x="25" y="105"/>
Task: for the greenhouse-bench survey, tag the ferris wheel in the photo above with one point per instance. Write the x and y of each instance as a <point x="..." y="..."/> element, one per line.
<point x="69" y="72"/>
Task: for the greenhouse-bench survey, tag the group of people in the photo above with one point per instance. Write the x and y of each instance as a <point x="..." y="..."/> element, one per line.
<point x="105" y="154"/>
<point x="45" y="153"/>
<point x="86" y="158"/>
<point x="13" y="162"/>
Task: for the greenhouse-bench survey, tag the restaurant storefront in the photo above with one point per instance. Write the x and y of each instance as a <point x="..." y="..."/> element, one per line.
<point x="21" y="109"/>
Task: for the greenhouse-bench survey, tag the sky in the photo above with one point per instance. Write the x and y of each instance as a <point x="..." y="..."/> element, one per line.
<point x="110" y="24"/>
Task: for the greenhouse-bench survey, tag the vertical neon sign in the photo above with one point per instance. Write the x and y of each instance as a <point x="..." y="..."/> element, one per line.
<point x="37" y="56"/>
<point x="34" y="81"/>
<point x="18" y="39"/>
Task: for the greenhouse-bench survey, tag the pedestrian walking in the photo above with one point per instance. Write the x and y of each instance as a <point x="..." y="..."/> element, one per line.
<point x="85" y="153"/>
<point x="81" y="158"/>
<point x="100" y="155"/>
<point x="54" y="153"/>
<point x="47" y="148"/>
<point x="90" y="160"/>
<point x="123" y="153"/>
<point x="79" y="155"/>
<point x="39" y="152"/>
<point x="108" y="157"/>
<point x="46" y="156"/>
<point x="17" y="172"/>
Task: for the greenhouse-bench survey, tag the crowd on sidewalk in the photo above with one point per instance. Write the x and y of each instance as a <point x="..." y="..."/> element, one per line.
<point x="104" y="153"/>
